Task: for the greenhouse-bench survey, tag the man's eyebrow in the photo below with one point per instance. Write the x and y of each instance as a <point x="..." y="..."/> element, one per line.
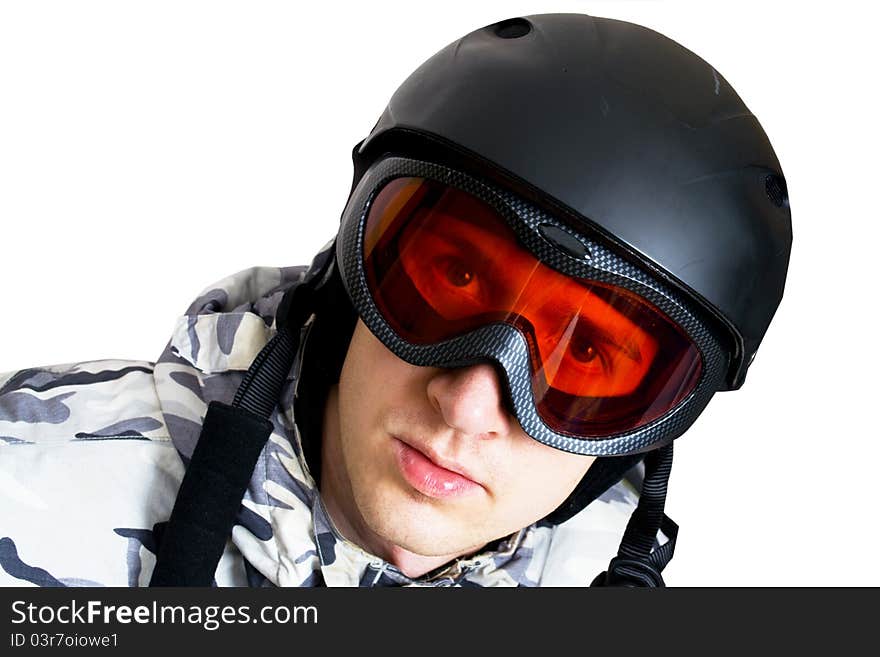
<point x="468" y="233"/>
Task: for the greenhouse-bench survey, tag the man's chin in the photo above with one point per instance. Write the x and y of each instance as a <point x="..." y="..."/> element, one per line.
<point x="420" y="529"/>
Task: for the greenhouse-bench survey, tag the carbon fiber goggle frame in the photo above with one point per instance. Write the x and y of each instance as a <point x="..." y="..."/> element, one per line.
<point x="503" y="344"/>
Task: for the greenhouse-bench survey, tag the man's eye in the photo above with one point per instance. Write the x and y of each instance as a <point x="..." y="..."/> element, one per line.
<point x="583" y="351"/>
<point x="458" y="273"/>
<point x="587" y="345"/>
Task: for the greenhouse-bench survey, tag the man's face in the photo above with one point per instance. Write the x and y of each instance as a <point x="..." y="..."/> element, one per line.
<point x="436" y="464"/>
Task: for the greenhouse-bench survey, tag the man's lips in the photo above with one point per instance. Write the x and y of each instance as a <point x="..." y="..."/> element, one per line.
<point x="431" y="474"/>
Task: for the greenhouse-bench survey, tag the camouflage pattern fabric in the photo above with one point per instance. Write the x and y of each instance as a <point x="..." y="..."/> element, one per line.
<point x="92" y="455"/>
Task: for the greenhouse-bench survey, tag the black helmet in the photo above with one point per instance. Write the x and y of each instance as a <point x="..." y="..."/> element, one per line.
<point x="620" y="129"/>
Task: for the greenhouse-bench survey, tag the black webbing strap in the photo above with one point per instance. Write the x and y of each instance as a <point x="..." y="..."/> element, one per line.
<point x="637" y="563"/>
<point x="222" y="463"/>
<point x="210" y="496"/>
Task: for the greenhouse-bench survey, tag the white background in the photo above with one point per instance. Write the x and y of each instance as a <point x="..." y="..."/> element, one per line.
<point x="149" y="149"/>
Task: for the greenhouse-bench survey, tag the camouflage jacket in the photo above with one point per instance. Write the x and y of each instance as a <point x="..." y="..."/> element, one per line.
<point x="92" y="455"/>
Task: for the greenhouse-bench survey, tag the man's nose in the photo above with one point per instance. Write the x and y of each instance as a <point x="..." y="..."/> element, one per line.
<point x="470" y="400"/>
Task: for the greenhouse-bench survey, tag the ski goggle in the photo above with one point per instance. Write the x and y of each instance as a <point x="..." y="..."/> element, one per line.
<point x="449" y="272"/>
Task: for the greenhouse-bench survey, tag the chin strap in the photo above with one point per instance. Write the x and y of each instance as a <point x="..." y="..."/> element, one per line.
<point x="638" y="562"/>
<point x="231" y="440"/>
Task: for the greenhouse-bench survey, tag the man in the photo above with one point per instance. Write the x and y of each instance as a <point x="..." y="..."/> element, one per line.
<point x="552" y="256"/>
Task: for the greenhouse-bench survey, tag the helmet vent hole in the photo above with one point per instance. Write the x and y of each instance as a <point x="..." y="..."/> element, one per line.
<point x="512" y="28"/>
<point x="776" y="190"/>
<point x="567" y="243"/>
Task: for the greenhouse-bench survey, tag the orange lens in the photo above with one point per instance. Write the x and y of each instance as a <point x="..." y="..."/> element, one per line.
<point x="440" y="262"/>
